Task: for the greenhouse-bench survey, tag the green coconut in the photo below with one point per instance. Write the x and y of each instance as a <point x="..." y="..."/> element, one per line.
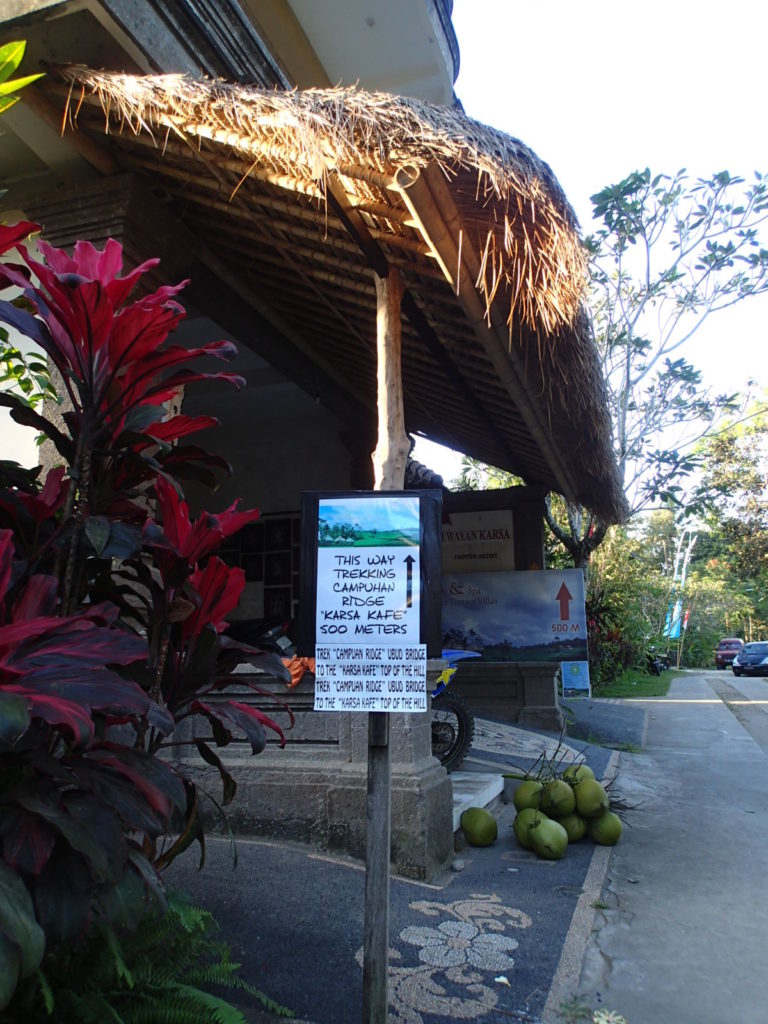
<point x="527" y="794"/>
<point x="576" y="773"/>
<point x="557" y="799"/>
<point x="548" y="839"/>
<point x="605" y="830"/>
<point x="591" y="798"/>
<point x="575" y="826"/>
<point x="479" y="826"/>
<point x="523" y="823"/>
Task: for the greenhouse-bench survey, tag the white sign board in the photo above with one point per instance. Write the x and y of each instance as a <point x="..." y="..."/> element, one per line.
<point x="368" y="595"/>
<point x="367" y="678"/>
<point x="368" y="608"/>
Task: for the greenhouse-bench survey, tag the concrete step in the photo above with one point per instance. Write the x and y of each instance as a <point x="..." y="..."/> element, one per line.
<point x="474" y="789"/>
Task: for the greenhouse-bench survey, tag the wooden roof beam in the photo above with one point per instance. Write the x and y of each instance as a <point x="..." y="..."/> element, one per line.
<point x="431" y="205"/>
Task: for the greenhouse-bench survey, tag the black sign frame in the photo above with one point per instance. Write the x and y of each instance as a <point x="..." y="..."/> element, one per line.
<point x="430" y="553"/>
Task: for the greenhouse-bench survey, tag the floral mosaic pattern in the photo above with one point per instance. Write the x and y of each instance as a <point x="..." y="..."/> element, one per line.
<point x="454" y="942"/>
<point x="453" y="977"/>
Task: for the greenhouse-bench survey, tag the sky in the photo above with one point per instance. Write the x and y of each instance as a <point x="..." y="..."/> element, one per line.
<point x="599" y="89"/>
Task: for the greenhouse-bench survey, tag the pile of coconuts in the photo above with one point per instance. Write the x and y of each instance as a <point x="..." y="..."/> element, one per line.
<point x="551" y="813"/>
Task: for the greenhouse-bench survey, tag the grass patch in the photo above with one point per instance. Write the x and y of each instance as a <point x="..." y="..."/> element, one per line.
<point x="600" y="741"/>
<point x="633" y="683"/>
<point x="574" y="1010"/>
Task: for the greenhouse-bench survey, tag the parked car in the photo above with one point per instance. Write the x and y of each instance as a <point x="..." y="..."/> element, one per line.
<point x="752" y="660"/>
<point x="727" y="650"/>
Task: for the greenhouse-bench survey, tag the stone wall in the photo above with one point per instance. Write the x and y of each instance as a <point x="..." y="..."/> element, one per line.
<point x="314" y="789"/>
<point x="524" y="692"/>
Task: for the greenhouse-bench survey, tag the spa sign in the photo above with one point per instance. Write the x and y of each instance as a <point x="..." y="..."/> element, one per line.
<point x="371" y="597"/>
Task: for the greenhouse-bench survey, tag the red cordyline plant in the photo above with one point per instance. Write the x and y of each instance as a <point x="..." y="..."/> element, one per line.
<point x="113" y="606"/>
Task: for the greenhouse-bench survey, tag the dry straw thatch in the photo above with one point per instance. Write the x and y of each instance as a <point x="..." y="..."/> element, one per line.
<point x="450" y="201"/>
<point x="303" y="136"/>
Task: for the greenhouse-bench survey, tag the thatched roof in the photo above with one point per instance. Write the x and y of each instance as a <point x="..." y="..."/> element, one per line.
<point x="300" y="194"/>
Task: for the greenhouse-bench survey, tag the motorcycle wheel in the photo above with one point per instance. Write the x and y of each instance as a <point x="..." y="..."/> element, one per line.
<point x="453" y="728"/>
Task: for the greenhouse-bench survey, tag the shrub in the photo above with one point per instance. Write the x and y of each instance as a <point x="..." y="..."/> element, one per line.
<point x="113" y="607"/>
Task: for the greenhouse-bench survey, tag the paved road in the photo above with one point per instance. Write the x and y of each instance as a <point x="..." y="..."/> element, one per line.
<point x="483" y="943"/>
<point x="684" y="938"/>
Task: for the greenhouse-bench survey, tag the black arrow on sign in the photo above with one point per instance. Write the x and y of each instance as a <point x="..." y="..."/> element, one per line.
<point x="409" y="560"/>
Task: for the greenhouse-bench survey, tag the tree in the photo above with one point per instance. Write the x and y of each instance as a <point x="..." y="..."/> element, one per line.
<point x="667" y="254"/>
<point x="735" y="545"/>
<point x="476" y="476"/>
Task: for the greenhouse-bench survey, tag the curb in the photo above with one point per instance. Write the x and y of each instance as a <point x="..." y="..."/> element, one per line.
<point x="577" y="938"/>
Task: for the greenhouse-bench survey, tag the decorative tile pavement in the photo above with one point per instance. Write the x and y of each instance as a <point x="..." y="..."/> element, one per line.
<point x="452" y="970"/>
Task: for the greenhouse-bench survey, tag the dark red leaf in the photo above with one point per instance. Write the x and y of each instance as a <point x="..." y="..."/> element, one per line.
<point x="239" y="715"/>
<point x="159" y="783"/>
<point x="62" y="714"/>
<point x="191" y="832"/>
<point x="229" y="786"/>
<point x="38" y="598"/>
<point x="12" y="234"/>
<point x="119" y="792"/>
<point x="77" y="640"/>
<point x="6" y="563"/>
<point x="180" y="426"/>
<point x="88" y="824"/>
<point x="219" y="588"/>
<point x="27" y="841"/>
<point x="63" y="894"/>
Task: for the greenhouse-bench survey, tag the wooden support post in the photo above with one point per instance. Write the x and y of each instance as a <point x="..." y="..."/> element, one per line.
<point x="389" y="460"/>
<point x="392" y="447"/>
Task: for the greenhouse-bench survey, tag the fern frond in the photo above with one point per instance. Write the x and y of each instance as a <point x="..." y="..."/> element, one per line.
<point x="160" y="973"/>
<point x="120" y="967"/>
<point x="223" y="1012"/>
<point x="89" y="1008"/>
<point x="165" y="1014"/>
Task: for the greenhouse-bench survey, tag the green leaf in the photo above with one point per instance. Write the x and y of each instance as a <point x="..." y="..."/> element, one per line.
<point x="14" y="718"/>
<point x="8" y="88"/>
<point x="18" y="922"/>
<point x="46" y="991"/>
<point x="97" y="531"/>
<point x="121" y="967"/>
<point x="11" y="55"/>
<point x="124" y="541"/>
<point x="125" y="903"/>
<point x="10" y="964"/>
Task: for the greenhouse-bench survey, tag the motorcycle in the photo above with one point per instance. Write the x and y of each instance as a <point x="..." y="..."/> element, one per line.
<point x="270" y="634"/>
<point x="656" y="663"/>
<point x="453" y="724"/>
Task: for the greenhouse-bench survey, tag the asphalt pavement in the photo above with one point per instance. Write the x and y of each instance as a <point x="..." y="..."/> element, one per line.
<point x="668" y="926"/>
<point x="684" y="933"/>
